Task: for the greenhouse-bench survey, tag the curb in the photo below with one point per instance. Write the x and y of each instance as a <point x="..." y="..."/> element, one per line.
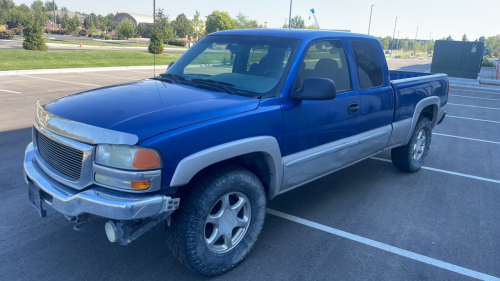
<point x="76" y="70"/>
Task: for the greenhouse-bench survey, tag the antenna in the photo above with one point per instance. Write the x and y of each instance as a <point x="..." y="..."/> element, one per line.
<point x="154" y="26"/>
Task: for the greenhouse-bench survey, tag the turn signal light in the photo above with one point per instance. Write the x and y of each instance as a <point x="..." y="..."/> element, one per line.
<point x="139" y="185"/>
<point x="146" y="159"/>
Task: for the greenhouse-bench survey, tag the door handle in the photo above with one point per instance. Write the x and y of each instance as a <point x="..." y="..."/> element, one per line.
<point x="353" y="108"/>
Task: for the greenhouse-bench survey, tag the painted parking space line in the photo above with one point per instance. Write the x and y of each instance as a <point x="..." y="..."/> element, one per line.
<point x="385" y="247"/>
<point x="139" y="71"/>
<point x="474" y="97"/>
<point x="451" y="136"/>
<point x="445" y="171"/>
<point x="109" y="76"/>
<point x="14" y="92"/>
<point x="478" y="91"/>
<point x="68" y="82"/>
<point x="474" y="106"/>
<point x="475" y="119"/>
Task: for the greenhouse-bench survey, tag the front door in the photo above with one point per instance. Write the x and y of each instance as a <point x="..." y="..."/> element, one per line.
<point x="318" y="134"/>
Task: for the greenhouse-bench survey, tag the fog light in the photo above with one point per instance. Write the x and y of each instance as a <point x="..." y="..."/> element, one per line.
<point x="110" y="229"/>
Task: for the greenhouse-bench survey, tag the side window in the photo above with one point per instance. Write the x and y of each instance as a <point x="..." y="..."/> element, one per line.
<point x="325" y="59"/>
<point x="368" y="64"/>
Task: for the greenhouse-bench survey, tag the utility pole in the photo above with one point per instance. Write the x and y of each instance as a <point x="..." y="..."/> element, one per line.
<point x="54" y="7"/>
<point x="430" y="37"/>
<point x="370" y="22"/>
<point x="397" y="44"/>
<point x="290" y="16"/>
<point x="394" y="33"/>
<point x="416" y="34"/>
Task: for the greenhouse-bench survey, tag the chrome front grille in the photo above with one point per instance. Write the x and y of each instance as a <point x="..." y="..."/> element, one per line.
<point x="62" y="158"/>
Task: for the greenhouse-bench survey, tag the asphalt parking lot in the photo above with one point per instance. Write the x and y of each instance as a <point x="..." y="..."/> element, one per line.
<point x="367" y="222"/>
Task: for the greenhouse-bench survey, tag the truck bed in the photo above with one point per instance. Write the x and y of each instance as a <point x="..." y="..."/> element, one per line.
<point x="396" y="75"/>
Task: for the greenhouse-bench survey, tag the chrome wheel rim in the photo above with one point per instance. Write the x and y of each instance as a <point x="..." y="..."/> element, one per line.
<point x="419" y="146"/>
<point x="227" y="222"/>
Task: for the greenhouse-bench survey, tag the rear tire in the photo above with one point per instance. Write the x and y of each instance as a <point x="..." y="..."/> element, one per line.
<point x="221" y="214"/>
<point x="411" y="157"/>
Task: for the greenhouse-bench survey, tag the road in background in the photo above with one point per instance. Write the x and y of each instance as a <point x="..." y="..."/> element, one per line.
<point x="447" y="213"/>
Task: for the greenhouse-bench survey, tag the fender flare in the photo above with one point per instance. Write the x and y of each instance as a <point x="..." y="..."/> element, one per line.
<point x="418" y="110"/>
<point x="192" y="164"/>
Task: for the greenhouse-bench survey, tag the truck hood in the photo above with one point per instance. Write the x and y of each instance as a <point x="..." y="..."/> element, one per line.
<point x="149" y="107"/>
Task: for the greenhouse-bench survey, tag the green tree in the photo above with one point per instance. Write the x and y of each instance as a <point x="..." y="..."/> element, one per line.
<point x="72" y="24"/>
<point x="141" y="29"/>
<point x="156" y="40"/>
<point x="7" y="5"/>
<point x="449" y="38"/>
<point x="198" y="25"/>
<point x="49" y="5"/>
<point x="482" y="39"/>
<point x="126" y="29"/>
<point x="244" y="22"/>
<point x="297" y="22"/>
<point x="64" y="21"/>
<point x="37" y="5"/>
<point x="163" y="26"/>
<point x="33" y="34"/>
<point x="218" y="21"/>
<point x="92" y="28"/>
<point x="182" y="26"/>
<point x="385" y="42"/>
<point x="464" y="38"/>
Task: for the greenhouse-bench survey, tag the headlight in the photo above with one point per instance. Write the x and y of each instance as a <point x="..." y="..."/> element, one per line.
<point x="127" y="157"/>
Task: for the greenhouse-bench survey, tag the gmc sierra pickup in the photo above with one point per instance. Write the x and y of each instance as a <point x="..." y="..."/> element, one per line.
<point x="240" y="118"/>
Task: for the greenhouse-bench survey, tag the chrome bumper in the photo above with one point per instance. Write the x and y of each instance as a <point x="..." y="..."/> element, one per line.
<point x="96" y="200"/>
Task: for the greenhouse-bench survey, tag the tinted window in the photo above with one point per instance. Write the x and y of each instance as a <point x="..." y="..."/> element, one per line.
<point x="325" y="59"/>
<point x="368" y="64"/>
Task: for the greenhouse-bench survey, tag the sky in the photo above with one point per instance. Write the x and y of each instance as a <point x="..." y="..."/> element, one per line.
<point x="441" y="17"/>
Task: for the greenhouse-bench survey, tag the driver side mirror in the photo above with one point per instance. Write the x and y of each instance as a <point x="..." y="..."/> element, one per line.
<point x="170" y="65"/>
<point x="316" y="88"/>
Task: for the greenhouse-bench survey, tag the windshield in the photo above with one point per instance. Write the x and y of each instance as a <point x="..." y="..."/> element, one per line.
<point x="253" y="66"/>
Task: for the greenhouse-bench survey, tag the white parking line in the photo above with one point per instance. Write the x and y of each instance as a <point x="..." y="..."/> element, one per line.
<point x="473" y="97"/>
<point x="385" y="247"/>
<point x="139" y="71"/>
<point x="14" y="92"/>
<point x="445" y="171"/>
<point x="109" y="76"/>
<point x="451" y="136"/>
<point x="476" y="91"/>
<point x="483" y="120"/>
<point x="474" y="106"/>
<point x="60" y="81"/>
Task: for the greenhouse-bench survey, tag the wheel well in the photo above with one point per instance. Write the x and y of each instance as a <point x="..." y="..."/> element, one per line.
<point x="428" y="112"/>
<point x="255" y="162"/>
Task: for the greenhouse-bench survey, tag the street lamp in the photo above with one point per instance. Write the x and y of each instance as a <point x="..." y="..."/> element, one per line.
<point x="290" y="16"/>
<point x="370" y="23"/>
<point x="430" y="37"/>
<point x="394" y="33"/>
<point x="397" y="44"/>
<point x="416" y="34"/>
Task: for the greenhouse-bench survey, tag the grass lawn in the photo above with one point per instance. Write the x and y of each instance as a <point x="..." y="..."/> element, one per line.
<point x="23" y="59"/>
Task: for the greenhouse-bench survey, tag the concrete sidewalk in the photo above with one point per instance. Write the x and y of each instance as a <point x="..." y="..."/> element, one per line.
<point x="76" y="70"/>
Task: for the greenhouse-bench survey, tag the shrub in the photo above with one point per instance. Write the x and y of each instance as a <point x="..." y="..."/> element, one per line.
<point x="17" y="30"/>
<point x="6" y="34"/>
<point x="95" y="35"/>
<point x="47" y="30"/>
<point x="176" y="42"/>
<point x="33" y="37"/>
<point x="156" y="42"/>
<point x="3" y="27"/>
<point x="487" y="63"/>
<point x="107" y="37"/>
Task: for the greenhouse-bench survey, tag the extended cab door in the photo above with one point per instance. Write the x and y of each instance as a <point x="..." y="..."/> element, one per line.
<point x="376" y="96"/>
<point x="319" y="134"/>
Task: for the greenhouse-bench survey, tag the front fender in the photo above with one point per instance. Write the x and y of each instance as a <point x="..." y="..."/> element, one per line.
<point x="191" y="165"/>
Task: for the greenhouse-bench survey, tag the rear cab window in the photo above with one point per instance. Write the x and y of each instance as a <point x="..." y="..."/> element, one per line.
<point x="368" y="64"/>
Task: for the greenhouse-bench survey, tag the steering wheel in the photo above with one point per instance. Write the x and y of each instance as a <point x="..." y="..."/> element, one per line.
<point x="272" y="73"/>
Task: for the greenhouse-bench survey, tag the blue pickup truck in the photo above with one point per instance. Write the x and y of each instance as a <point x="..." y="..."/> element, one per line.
<point x="241" y="117"/>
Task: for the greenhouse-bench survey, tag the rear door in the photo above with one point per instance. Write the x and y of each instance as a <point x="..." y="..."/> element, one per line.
<point x="376" y="96"/>
<point x="318" y="133"/>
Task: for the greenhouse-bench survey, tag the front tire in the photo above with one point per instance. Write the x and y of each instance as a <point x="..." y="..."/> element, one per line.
<point x="220" y="217"/>
<point x="411" y="157"/>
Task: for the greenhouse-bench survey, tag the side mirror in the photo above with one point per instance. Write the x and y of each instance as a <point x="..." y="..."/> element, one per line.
<point x="170" y="65"/>
<point x="316" y="88"/>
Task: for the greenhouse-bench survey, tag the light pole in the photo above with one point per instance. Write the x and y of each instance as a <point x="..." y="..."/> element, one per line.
<point x="370" y="23"/>
<point x="290" y="16"/>
<point x="430" y="37"/>
<point x="415" y="44"/>
<point x="54" y="7"/>
<point x="397" y="44"/>
<point x="416" y="34"/>
<point x="394" y="33"/>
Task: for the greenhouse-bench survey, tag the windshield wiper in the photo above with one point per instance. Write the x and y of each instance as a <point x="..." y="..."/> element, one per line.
<point x="225" y="86"/>
<point x="175" y="78"/>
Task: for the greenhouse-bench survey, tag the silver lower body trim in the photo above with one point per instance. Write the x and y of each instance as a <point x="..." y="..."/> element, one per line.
<point x="96" y="200"/>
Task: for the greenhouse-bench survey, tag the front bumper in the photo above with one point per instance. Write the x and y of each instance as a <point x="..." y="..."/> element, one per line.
<point x="96" y="200"/>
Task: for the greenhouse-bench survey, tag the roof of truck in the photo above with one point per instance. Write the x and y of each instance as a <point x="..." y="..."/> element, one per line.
<point x="292" y="33"/>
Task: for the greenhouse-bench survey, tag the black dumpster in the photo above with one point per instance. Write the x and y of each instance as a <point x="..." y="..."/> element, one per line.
<point x="457" y="58"/>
